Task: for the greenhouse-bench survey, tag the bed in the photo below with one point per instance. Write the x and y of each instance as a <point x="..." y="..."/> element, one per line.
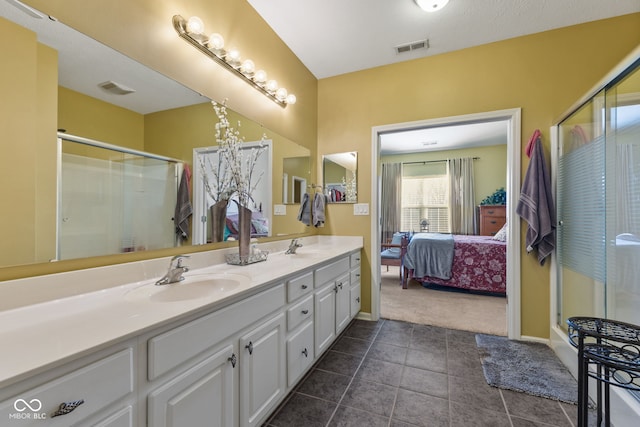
<point x="476" y="263"/>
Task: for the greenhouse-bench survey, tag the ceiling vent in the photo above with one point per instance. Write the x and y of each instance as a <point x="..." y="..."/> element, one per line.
<point x="417" y="45"/>
<point x="116" y="88"/>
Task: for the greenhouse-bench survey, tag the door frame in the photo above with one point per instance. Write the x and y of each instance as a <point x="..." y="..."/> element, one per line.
<point x="513" y="119"/>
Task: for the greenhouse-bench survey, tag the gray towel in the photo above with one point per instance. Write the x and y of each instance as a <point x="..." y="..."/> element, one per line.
<point x="318" y="210"/>
<point x="304" y="214"/>
<point x="183" y="207"/>
<point x="430" y="254"/>
<point x="536" y="205"/>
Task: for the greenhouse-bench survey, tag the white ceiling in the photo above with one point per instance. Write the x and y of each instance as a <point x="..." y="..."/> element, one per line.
<point x="333" y="37"/>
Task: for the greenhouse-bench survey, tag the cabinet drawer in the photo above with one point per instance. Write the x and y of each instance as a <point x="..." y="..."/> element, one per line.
<point x="299" y="286"/>
<point x="355" y="275"/>
<point x="355" y="259"/>
<point x="99" y="384"/>
<point x="331" y="271"/>
<point x="299" y="353"/>
<point x="171" y="349"/>
<point x="299" y="313"/>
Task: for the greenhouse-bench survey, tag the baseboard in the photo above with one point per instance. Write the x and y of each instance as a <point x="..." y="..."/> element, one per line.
<point x="535" y="339"/>
<point x="364" y="316"/>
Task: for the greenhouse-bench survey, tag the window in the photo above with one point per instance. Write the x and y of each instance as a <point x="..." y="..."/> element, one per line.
<point x="425" y="195"/>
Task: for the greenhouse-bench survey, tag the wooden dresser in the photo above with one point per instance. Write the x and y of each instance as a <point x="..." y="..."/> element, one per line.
<point x="492" y="218"/>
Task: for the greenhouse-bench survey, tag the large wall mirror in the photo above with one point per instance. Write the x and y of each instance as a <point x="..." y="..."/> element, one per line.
<point x="340" y="177"/>
<point x="115" y="100"/>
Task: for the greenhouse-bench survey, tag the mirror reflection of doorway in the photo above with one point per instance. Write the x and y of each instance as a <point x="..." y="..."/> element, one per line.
<point x="298" y="188"/>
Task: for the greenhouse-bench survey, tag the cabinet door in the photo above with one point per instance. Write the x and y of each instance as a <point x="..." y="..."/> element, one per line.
<point x="299" y="353"/>
<point x="343" y="303"/>
<point x="355" y="299"/>
<point x="203" y="395"/>
<point x="262" y="370"/>
<point x="325" y="317"/>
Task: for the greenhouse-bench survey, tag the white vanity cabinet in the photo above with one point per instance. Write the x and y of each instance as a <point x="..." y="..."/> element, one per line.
<point x="332" y="302"/>
<point x="262" y="371"/>
<point x="99" y="387"/>
<point x="355" y="282"/>
<point x="300" y="320"/>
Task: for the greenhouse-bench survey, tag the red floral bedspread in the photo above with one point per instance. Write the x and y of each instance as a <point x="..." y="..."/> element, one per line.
<point x="479" y="264"/>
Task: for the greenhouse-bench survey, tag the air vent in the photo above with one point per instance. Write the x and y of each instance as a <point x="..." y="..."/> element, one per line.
<point x="420" y="44"/>
<point x="116" y="88"/>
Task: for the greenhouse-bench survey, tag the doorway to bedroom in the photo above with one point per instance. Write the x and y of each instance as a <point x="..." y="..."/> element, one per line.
<point x="427" y="154"/>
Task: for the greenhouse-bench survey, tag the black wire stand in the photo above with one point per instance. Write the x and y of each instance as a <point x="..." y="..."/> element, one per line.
<point x="613" y="350"/>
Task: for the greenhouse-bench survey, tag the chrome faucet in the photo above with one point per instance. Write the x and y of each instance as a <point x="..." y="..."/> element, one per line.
<point x="176" y="269"/>
<point x="293" y="246"/>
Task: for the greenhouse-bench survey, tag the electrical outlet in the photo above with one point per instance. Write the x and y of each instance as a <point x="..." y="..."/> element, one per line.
<point x="361" y="209"/>
<point x="279" y="209"/>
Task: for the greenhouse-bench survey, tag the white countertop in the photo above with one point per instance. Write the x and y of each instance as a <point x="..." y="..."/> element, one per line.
<point x="71" y="323"/>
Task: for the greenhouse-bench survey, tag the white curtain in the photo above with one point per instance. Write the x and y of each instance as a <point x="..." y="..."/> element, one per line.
<point x="461" y="195"/>
<point x="390" y="193"/>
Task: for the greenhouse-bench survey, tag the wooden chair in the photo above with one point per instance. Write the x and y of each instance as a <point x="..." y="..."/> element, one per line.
<point x="393" y="253"/>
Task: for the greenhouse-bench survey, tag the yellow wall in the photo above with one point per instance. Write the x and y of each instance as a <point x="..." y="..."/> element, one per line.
<point x="91" y="118"/>
<point x="490" y="169"/>
<point x="28" y="78"/>
<point x="544" y="74"/>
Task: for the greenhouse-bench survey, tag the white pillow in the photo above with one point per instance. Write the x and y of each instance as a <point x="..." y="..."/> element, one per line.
<point x="501" y="235"/>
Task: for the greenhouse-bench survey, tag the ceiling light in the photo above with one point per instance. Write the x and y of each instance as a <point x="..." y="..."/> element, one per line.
<point x="431" y="5"/>
<point x="192" y="31"/>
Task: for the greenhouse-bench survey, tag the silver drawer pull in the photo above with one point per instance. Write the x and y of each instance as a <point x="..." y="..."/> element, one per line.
<point x="340" y="285"/>
<point x="249" y="347"/>
<point x="304" y="286"/>
<point x="66" y="407"/>
<point x="357" y="274"/>
<point x="305" y="311"/>
<point x="358" y="299"/>
<point x="305" y="352"/>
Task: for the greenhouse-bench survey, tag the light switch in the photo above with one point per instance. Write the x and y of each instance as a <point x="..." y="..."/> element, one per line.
<point x="361" y="209"/>
<point x="279" y="209"/>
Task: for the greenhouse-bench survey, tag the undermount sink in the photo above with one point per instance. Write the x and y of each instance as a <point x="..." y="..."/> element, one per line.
<point x="192" y="287"/>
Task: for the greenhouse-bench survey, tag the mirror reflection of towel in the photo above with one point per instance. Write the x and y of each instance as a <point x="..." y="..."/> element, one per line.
<point x="304" y="214"/>
<point x="183" y="207"/>
<point x="318" y="210"/>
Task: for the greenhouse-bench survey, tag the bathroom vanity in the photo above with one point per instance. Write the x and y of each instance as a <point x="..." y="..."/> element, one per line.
<point x="223" y="347"/>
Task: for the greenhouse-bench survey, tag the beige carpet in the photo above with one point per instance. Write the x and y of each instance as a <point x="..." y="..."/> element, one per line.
<point x="454" y="310"/>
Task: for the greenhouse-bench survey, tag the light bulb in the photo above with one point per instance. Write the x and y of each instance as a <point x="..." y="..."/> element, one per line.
<point x="233" y="57"/>
<point x="281" y="94"/>
<point x="216" y="41"/>
<point x="195" y="25"/>
<point x="260" y="76"/>
<point x="291" y="99"/>
<point x="431" y="5"/>
<point x="248" y="67"/>
<point x="272" y="85"/>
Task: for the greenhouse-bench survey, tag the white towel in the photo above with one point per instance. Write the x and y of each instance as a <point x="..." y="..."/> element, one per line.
<point x="318" y="210"/>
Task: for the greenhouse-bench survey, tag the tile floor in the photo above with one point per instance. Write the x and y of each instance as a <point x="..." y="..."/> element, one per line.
<point x="397" y="374"/>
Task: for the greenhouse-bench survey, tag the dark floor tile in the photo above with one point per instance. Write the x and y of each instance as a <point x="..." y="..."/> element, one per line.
<point x="533" y="408"/>
<point x="340" y="363"/>
<point x="363" y="330"/>
<point x="388" y="353"/>
<point x="434" y="333"/>
<point x="420" y="409"/>
<point x="305" y="411"/>
<point x="475" y="392"/>
<point x="464" y="337"/>
<point x="396" y="326"/>
<point x="396" y="423"/>
<point x="425" y="382"/>
<point x="381" y="372"/>
<point x="424" y="341"/>
<point x="325" y="385"/>
<point x="572" y="413"/>
<point x="433" y="359"/>
<point x="463" y="360"/>
<point x="521" y="422"/>
<point x="468" y="416"/>
<point x="350" y="417"/>
<point x="400" y="338"/>
<point x="369" y="396"/>
<point x="350" y="345"/>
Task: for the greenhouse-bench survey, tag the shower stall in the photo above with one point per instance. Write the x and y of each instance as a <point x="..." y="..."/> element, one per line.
<point x="113" y="200"/>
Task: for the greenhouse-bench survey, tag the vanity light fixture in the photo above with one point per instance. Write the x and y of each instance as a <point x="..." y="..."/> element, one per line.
<point x="431" y="5"/>
<point x="192" y="30"/>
